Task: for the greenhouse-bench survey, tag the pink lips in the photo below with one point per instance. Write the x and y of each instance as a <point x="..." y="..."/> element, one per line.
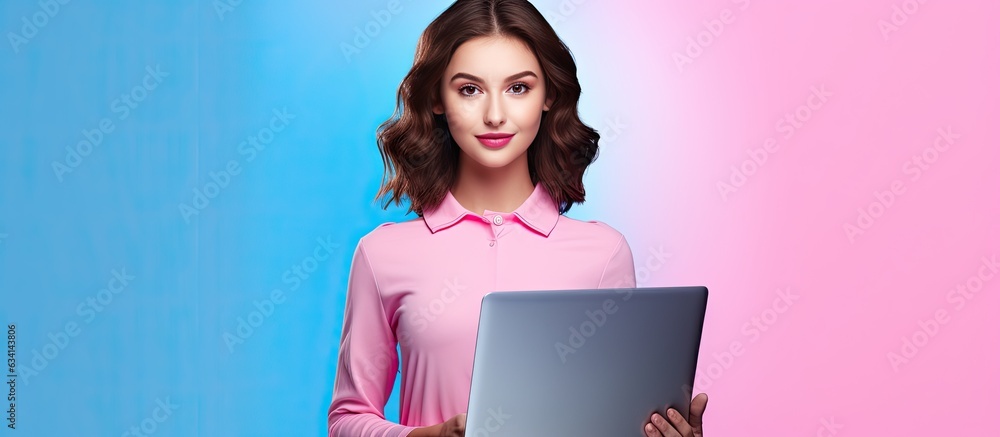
<point x="495" y="140"/>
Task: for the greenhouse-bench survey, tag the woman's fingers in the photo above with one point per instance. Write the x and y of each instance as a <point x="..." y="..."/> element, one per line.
<point x="662" y="427"/>
<point x="678" y="422"/>
<point x="698" y="405"/>
<point x="455" y="427"/>
<point x="651" y="430"/>
<point x="675" y="425"/>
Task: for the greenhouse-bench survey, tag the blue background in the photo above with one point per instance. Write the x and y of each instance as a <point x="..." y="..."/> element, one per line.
<point x="65" y="231"/>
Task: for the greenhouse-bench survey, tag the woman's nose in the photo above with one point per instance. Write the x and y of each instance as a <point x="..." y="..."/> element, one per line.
<point x="495" y="115"/>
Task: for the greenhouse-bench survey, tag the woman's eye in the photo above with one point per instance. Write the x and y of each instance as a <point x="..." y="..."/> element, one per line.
<point x="472" y="90"/>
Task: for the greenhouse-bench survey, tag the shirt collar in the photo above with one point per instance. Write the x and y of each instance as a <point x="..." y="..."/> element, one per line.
<point x="538" y="212"/>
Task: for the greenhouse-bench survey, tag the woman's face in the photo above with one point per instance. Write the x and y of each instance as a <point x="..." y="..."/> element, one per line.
<point x="493" y="87"/>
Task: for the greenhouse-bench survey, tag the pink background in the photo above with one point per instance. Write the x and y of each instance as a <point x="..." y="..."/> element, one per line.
<point x="822" y="367"/>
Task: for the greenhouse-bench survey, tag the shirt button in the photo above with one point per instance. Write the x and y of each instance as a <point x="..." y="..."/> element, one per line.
<point x="497" y="220"/>
<point x="492" y="243"/>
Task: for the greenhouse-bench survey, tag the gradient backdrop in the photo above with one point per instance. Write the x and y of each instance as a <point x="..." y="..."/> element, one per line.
<point x="827" y="169"/>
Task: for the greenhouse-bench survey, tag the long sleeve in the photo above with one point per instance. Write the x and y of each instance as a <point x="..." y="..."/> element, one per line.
<point x="620" y="269"/>
<point x="368" y="362"/>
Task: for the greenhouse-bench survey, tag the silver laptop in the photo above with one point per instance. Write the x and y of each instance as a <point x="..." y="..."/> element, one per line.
<point x="594" y="362"/>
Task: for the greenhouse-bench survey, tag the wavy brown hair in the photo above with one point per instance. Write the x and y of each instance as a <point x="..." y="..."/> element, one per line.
<point x="419" y="154"/>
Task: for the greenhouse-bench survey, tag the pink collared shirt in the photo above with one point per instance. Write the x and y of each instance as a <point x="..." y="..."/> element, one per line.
<point x="420" y="284"/>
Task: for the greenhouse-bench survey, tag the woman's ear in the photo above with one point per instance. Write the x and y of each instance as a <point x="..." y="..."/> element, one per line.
<point x="436" y="106"/>
<point x="548" y="103"/>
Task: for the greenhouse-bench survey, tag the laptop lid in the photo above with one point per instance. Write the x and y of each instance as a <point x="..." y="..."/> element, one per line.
<point x="594" y="362"/>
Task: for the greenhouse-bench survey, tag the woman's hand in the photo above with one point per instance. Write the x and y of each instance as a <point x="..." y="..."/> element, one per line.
<point x="454" y="427"/>
<point x="675" y="425"/>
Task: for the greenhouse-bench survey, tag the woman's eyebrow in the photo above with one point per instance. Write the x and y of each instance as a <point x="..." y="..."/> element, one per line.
<point x="480" y="80"/>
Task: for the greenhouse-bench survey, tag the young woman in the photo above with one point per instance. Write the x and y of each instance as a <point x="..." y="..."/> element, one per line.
<point x="487" y="146"/>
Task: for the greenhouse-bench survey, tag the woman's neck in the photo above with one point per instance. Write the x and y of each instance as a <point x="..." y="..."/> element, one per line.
<point x="503" y="189"/>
